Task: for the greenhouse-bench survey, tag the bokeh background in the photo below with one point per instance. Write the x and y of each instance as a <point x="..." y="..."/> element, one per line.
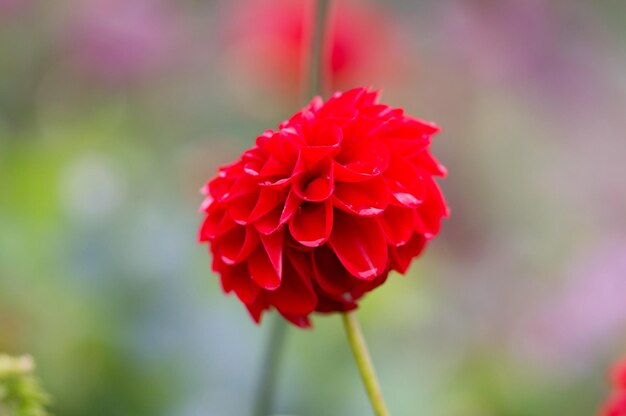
<point x="113" y="114"/>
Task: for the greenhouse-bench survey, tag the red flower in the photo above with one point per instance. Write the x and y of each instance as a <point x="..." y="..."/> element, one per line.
<point x="317" y="213"/>
<point x="618" y="376"/>
<point x="616" y="404"/>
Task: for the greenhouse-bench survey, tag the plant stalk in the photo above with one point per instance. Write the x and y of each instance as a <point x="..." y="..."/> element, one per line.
<point x="275" y="345"/>
<point x="364" y="363"/>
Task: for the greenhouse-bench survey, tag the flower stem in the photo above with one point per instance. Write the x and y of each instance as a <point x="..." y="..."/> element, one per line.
<point x="317" y="64"/>
<point x="314" y="86"/>
<point x="364" y="363"/>
<point x="267" y="380"/>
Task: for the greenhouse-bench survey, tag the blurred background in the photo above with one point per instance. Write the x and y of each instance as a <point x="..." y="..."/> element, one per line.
<point x="114" y="113"/>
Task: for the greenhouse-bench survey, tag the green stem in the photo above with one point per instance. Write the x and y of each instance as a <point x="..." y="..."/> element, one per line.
<point x="271" y="360"/>
<point x="364" y="363"/>
<point x="317" y="64"/>
<point x="267" y="380"/>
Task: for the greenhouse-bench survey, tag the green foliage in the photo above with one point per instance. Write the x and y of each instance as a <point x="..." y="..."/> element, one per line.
<point x="20" y="392"/>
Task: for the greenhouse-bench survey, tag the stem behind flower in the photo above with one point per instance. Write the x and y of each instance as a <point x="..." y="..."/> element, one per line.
<point x="267" y="380"/>
<point x="317" y="64"/>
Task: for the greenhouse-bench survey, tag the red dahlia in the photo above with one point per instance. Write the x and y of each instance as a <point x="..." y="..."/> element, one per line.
<point x="616" y="405"/>
<point x="618" y="375"/>
<point x="318" y="213"/>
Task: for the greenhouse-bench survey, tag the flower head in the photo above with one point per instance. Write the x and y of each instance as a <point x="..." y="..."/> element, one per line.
<point x="316" y="214"/>
<point x="618" y="375"/>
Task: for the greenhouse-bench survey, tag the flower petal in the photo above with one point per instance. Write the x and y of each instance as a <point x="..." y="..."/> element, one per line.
<point x="312" y="223"/>
<point x="241" y="208"/>
<point x="236" y="245"/>
<point x="291" y="205"/>
<point x="405" y="184"/>
<point x="398" y="224"/>
<point x="237" y="278"/>
<point x="366" y="199"/>
<point x="270" y="222"/>
<point x="361" y="159"/>
<point x="432" y="210"/>
<point x="341" y="106"/>
<point x="301" y="321"/>
<point x="315" y="184"/>
<point x="268" y="199"/>
<point x="273" y="244"/>
<point x="262" y="270"/>
<point x="256" y="308"/>
<point x="402" y="256"/>
<point x="295" y="296"/>
<point x="243" y="185"/>
<point x="360" y="245"/>
<point x="407" y="128"/>
<point x="214" y="225"/>
<point x="330" y="274"/>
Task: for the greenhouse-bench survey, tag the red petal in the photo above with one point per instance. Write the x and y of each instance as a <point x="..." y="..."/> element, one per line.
<point x="269" y="198"/>
<point x="274" y="168"/>
<point x="273" y="220"/>
<point x="312" y="223"/>
<point x="326" y="304"/>
<point x="618" y="375"/>
<point x="291" y="205"/>
<point x="273" y="244"/>
<point x="341" y="106"/>
<point x="432" y="210"/>
<point x="402" y="256"/>
<point x="366" y="199"/>
<point x="408" y="148"/>
<point x="219" y="187"/>
<point x="257" y="308"/>
<point x="270" y="222"/>
<point x="398" y="224"/>
<point x="360" y="159"/>
<point x="360" y="245"/>
<point x="330" y="274"/>
<point x="324" y="136"/>
<point x="405" y="184"/>
<point x="214" y="225"/>
<point x="368" y="98"/>
<point x="241" y="208"/>
<point x="295" y="296"/>
<point x="407" y="128"/>
<point x="430" y="164"/>
<point x="283" y="147"/>
<point x="262" y="269"/>
<point x="238" y="279"/>
<point x="301" y="321"/>
<point x="315" y="185"/>
<point x="236" y="245"/>
<point x="244" y="185"/>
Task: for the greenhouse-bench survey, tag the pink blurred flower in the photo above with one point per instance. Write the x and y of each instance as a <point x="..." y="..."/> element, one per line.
<point x="120" y="41"/>
<point x="588" y="314"/>
<point x="8" y="7"/>
<point x="540" y="47"/>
